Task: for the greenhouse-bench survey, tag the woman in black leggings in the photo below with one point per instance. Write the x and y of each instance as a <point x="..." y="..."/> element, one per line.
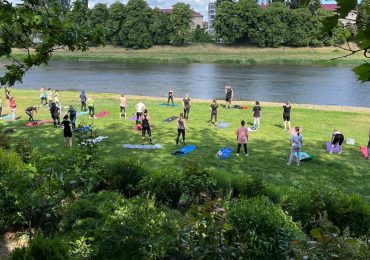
<point x="181" y="126"/>
<point x="336" y="138"/>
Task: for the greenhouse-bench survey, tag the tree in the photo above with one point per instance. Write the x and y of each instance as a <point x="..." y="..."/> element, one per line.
<point x="99" y="14"/>
<point x="160" y="27"/>
<point x="180" y="20"/>
<point x="41" y="27"/>
<point x="135" y="29"/>
<point x="200" y="35"/>
<point x="116" y="17"/>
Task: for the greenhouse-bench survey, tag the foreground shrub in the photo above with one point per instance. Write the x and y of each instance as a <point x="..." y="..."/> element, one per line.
<point x="264" y="228"/>
<point x="167" y="186"/>
<point x="25" y="150"/>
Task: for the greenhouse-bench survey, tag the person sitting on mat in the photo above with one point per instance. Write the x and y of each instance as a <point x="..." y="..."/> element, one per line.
<point x="187" y="105"/>
<point x="296" y="140"/>
<point x="83" y="99"/>
<point x="181" y="127"/>
<point x="54" y="111"/>
<point x="337" y="138"/>
<point x="170" y="96"/>
<point x="29" y="111"/>
<point x="257" y="114"/>
<point x="286" y="115"/>
<point x="67" y="131"/>
<point x="146" y="127"/>
<point x="73" y="116"/>
<point x="91" y="105"/>
<point x="140" y="107"/>
<point x="229" y="96"/>
<point x="122" y="106"/>
<point x="214" y="111"/>
<point x="242" y="138"/>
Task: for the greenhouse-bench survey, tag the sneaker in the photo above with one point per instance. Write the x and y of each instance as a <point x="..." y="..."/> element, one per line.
<point x="183" y="143"/>
<point x="288" y="164"/>
<point x="298" y="164"/>
<point x="330" y="152"/>
<point x="246" y="154"/>
<point x="340" y="152"/>
<point x="237" y="154"/>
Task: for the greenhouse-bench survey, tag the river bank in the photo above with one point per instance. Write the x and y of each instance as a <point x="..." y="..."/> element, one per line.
<point x="210" y="53"/>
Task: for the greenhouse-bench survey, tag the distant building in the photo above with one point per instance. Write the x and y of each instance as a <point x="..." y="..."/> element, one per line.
<point x="196" y="19"/>
<point x="205" y="26"/>
<point x="211" y="18"/>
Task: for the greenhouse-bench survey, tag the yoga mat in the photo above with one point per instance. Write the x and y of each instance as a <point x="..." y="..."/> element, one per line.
<point x="138" y="127"/>
<point x="170" y="105"/>
<point x="363" y="150"/>
<point x="350" y="141"/>
<point x="224" y="153"/>
<point x="41" y="122"/>
<point x="144" y="147"/>
<point x="83" y="129"/>
<point x="82" y="113"/>
<point x="328" y="147"/>
<point x="223" y="125"/>
<point x="252" y="129"/>
<point x="6" y="117"/>
<point x="133" y="118"/>
<point x="185" y="150"/>
<point x="102" y="114"/>
<point x="304" y="156"/>
<point x="170" y="119"/>
<point x="95" y="140"/>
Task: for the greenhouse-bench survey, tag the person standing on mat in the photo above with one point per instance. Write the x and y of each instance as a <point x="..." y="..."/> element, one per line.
<point x="146" y="127"/>
<point x="29" y="111"/>
<point x="187" y="105"/>
<point x="337" y="138"/>
<point x="7" y="96"/>
<point x="170" y="96"/>
<point x="140" y="107"/>
<point x="296" y="140"/>
<point x="214" y="111"/>
<point x="50" y="97"/>
<point x="13" y="107"/>
<point x="73" y="116"/>
<point x="286" y="115"/>
<point x="181" y="127"/>
<point x="242" y="138"/>
<point x="57" y="100"/>
<point x="83" y="99"/>
<point x="229" y="96"/>
<point x="54" y="111"/>
<point x="91" y="105"/>
<point x="257" y="114"/>
<point x="122" y="106"/>
<point x="43" y="99"/>
<point x="67" y="131"/>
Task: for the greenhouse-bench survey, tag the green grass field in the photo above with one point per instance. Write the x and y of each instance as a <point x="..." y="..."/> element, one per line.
<point x="210" y="53"/>
<point x="269" y="147"/>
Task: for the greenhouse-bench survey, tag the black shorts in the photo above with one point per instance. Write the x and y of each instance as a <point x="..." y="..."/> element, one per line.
<point x="67" y="134"/>
<point x="286" y="117"/>
<point x="228" y="99"/>
<point x="146" y="129"/>
<point x="338" y="139"/>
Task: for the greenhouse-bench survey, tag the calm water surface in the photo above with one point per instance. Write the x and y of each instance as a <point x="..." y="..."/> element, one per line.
<point x="277" y="83"/>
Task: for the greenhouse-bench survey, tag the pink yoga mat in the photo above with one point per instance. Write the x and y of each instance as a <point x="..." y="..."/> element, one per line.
<point x="45" y="121"/>
<point x="363" y="150"/>
<point x="102" y="114"/>
<point x="328" y="147"/>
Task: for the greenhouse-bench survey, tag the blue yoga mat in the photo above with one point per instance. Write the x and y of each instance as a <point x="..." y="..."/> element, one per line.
<point x="6" y="117"/>
<point x="185" y="150"/>
<point x="83" y="129"/>
<point x="223" y="125"/>
<point x="170" y="105"/>
<point x="304" y="156"/>
<point x="224" y="153"/>
<point x="82" y="113"/>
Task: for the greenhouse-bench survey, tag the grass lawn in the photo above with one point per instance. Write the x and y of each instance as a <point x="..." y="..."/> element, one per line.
<point x="211" y="53"/>
<point x="269" y="147"/>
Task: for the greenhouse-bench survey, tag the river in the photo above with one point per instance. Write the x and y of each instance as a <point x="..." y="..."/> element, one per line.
<point x="276" y="83"/>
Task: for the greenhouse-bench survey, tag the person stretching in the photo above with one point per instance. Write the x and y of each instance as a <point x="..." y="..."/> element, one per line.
<point x="140" y="107"/>
<point x="181" y="127"/>
<point x="72" y="115"/>
<point x="50" y="97"/>
<point x="13" y="107"/>
<point x="257" y="114"/>
<point x="54" y="111"/>
<point x="67" y="131"/>
<point x="122" y="106"/>
<point x="187" y="105"/>
<point x="286" y="115"/>
<point x="7" y="96"/>
<point x="170" y="96"/>
<point x="242" y="138"/>
<point x="83" y="99"/>
<point x="296" y="140"/>
<point x="91" y="105"/>
<point x="214" y="110"/>
<point x="229" y="96"/>
<point x="337" y="138"/>
<point x="145" y="124"/>
<point x="29" y="111"/>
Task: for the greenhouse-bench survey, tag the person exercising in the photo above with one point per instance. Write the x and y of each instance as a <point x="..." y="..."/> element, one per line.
<point x="337" y="138"/>
<point x="29" y="111"/>
<point x="181" y="127"/>
<point x="187" y="106"/>
<point x="214" y="112"/>
<point x="170" y="96"/>
<point x="146" y="127"/>
<point x="286" y="115"/>
<point x="229" y="96"/>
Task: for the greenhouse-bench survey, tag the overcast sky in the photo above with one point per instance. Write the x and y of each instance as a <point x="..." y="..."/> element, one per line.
<point x="200" y="6"/>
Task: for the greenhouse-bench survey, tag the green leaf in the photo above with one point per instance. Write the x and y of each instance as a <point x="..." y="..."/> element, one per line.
<point x="345" y="6"/>
<point x="363" y="72"/>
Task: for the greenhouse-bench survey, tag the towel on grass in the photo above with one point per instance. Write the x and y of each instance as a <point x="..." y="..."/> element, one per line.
<point x="95" y="140"/>
<point x="363" y="150"/>
<point x="6" y="117"/>
<point x="81" y="113"/>
<point x="328" y="147"/>
<point x="170" y="119"/>
<point x="133" y="118"/>
<point x="223" y="125"/>
<point x="102" y="114"/>
<point x="304" y="156"/>
<point x="40" y="122"/>
<point x="168" y="105"/>
<point x="350" y="141"/>
<point x="252" y="129"/>
<point x="185" y="150"/>
<point x="224" y="153"/>
<point x="141" y="146"/>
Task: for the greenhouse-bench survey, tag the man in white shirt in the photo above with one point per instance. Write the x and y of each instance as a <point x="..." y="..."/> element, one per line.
<point x="140" y="107"/>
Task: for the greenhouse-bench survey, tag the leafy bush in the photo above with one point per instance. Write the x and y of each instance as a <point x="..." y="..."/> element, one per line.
<point x="123" y="175"/>
<point x="4" y="141"/>
<point x="24" y="149"/>
<point x="165" y="185"/>
<point x="246" y="186"/>
<point x="42" y="248"/>
<point x="264" y="228"/>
